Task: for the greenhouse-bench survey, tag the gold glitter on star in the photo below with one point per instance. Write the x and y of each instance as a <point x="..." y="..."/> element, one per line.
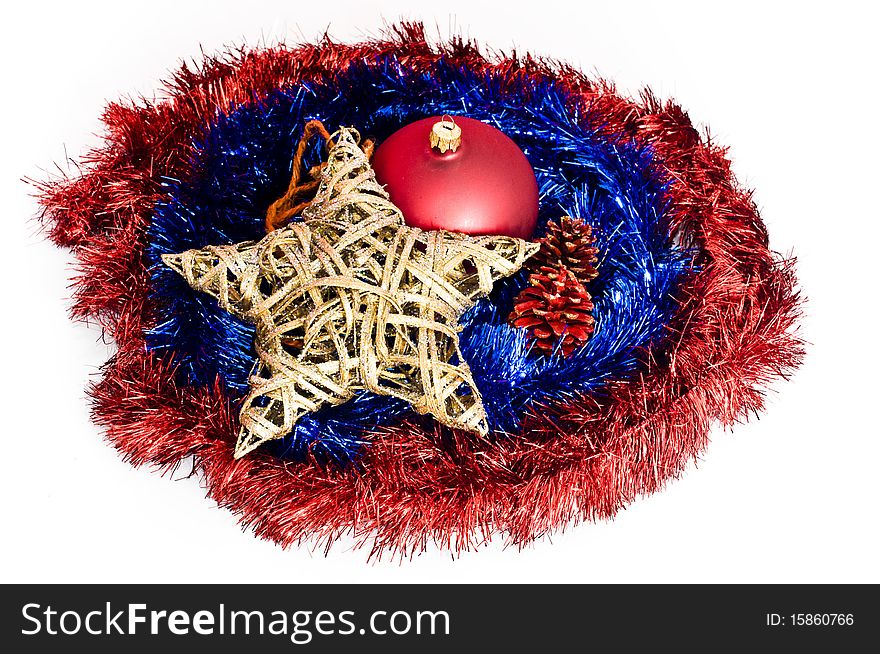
<point x="351" y="299"/>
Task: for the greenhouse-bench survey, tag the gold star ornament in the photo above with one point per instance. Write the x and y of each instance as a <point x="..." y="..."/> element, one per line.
<point x="351" y="299"/>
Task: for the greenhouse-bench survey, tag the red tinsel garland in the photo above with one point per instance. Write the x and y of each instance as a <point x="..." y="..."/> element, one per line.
<point x="734" y="333"/>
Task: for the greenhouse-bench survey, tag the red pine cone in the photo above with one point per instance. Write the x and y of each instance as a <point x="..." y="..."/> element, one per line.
<point x="568" y="244"/>
<point x="555" y="309"/>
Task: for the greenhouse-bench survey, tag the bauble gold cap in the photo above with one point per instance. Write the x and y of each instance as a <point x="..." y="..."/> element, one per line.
<point x="445" y="135"/>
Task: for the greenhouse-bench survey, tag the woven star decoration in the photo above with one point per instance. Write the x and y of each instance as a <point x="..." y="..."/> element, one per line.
<point x="351" y="299"/>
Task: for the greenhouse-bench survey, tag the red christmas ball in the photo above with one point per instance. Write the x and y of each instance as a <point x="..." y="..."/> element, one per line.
<point x="485" y="186"/>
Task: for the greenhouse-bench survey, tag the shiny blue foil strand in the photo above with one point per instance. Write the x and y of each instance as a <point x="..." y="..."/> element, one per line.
<point x="242" y="163"/>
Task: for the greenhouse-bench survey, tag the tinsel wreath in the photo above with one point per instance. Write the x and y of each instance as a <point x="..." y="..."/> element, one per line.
<point x="693" y="314"/>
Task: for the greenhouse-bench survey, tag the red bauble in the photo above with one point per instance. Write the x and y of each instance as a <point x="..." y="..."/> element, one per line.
<point x="486" y="186"/>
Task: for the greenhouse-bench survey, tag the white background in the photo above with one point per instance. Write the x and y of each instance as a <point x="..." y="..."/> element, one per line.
<point x="791" y="87"/>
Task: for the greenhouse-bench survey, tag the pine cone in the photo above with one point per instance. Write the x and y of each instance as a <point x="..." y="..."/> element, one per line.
<point x="555" y="309"/>
<point x="568" y="244"/>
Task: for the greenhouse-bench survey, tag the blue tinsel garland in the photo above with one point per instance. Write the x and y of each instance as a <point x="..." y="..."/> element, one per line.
<point x="242" y="164"/>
